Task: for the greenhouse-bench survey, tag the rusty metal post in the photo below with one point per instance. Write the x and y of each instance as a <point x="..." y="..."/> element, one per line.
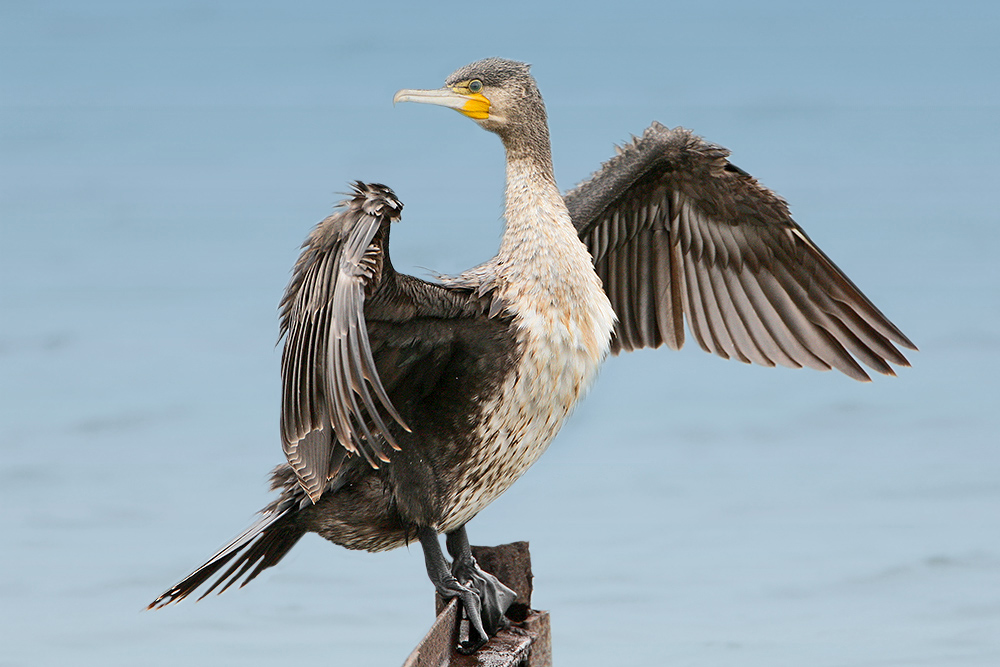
<point x="526" y="642"/>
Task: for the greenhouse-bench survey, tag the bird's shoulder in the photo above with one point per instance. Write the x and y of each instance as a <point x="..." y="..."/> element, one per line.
<point x="664" y="161"/>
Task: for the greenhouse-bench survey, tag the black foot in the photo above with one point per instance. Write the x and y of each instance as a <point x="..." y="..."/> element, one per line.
<point x="494" y="597"/>
<point x="468" y="591"/>
<point x="469" y="646"/>
<point x="483" y="597"/>
<point x="449" y="587"/>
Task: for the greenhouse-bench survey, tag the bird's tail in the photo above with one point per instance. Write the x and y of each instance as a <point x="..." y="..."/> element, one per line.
<point x="259" y="547"/>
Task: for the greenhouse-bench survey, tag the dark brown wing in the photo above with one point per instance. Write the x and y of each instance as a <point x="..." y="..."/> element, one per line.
<point x="675" y="230"/>
<point x="329" y="379"/>
<point x="357" y="333"/>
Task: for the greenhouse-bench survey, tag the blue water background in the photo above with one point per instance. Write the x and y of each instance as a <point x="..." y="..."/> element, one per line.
<point x="161" y="162"/>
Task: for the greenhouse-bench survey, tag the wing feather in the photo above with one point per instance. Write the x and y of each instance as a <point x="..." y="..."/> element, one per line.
<point x="743" y="347"/>
<point x="645" y="302"/>
<point x="333" y="401"/>
<point x="677" y="232"/>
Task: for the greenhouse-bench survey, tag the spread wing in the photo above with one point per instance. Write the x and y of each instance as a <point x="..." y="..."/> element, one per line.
<point x="675" y="230"/>
<point x="335" y="401"/>
<point x="329" y="379"/>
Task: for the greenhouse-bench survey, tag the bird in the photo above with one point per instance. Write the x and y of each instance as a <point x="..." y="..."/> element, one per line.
<point x="409" y="405"/>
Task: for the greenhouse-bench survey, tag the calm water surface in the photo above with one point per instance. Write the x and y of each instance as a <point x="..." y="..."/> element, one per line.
<point x="160" y="163"/>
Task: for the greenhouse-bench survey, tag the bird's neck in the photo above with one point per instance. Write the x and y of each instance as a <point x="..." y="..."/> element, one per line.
<point x="546" y="274"/>
<point x="535" y="213"/>
<point x="542" y="261"/>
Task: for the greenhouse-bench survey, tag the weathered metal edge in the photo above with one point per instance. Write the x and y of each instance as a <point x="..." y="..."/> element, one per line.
<point x="435" y="649"/>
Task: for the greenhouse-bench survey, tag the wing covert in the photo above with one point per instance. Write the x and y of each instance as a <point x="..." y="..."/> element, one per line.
<point x="677" y="232"/>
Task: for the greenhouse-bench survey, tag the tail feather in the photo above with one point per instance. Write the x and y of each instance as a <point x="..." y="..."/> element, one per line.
<point x="262" y="545"/>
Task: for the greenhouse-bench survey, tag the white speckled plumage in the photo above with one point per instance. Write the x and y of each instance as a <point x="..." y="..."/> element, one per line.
<point x="563" y="321"/>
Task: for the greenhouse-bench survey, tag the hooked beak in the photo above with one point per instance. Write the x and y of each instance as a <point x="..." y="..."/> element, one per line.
<point x="473" y="105"/>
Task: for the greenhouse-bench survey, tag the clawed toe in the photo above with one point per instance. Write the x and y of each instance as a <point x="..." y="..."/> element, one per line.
<point x="494" y="597"/>
<point x="470" y="646"/>
<point x="472" y="604"/>
<point x="484" y="599"/>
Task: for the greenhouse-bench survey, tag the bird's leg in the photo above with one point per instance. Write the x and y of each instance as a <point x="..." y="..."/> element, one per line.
<point x="493" y="595"/>
<point x="448" y="586"/>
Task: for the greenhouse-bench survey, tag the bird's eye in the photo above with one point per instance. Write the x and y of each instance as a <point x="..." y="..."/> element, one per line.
<point x="475" y="86"/>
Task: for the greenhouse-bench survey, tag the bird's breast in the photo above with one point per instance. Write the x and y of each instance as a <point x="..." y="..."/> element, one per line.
<point x="562" y="324"/>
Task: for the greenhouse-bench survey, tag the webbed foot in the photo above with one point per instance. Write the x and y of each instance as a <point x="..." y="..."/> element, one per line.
<point x="494" y="597"/>
<point x="483" y="597"/>
<point x="450" y="587"/>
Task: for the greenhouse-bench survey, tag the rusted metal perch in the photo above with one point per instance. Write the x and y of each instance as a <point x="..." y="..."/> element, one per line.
<point x="525" y="642"/>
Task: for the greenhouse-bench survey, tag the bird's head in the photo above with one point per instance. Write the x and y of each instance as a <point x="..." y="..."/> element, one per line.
<point x="500" y="95"/>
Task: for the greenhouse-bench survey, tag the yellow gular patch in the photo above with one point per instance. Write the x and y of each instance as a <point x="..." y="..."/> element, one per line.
<point x="477" y="107"/>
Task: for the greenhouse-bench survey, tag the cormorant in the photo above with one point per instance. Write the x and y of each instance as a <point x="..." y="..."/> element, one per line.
<point x="408" y="406"/>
